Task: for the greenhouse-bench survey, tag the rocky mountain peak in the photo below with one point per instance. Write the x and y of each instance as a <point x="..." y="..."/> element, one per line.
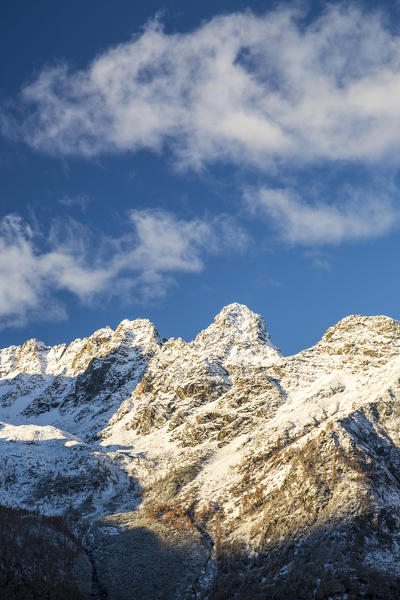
<point x="182" y="376"/>
<point x="372" y="336"/>
<point x="140" y="331"/>
<point x="268" y="464"/>
<point x="35" y="357"/>
<point x="241" y="319"/>
<point x="34" y="345"/>
<point x="29" y="358"/>
<point x="236" y="326"/>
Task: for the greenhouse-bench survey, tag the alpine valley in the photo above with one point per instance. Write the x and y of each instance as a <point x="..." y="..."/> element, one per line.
<point x="136" y="468"/>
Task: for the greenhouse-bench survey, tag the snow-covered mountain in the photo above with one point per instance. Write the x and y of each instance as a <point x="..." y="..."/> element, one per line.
<point x="77" y="387"/>
<point x="214" y="468"/>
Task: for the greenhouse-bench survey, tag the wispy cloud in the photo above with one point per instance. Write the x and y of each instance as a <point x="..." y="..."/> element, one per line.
<point x="142" y="263"/>
<point x="240" y="88"/>
<point x="80" y="200"/>
<point x="356" y="216"/>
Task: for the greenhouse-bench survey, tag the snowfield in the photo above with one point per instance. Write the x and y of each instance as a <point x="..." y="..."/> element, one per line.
<point x="222" y="437"/>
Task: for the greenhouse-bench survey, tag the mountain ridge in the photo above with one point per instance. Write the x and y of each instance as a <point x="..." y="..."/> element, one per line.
<point x="220" y="444"/>
<point x="9" y="355"/>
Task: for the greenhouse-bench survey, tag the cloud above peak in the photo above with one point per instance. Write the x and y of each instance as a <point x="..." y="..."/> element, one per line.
<point x="140" y="264"/>
<point x="356" y="216"/>
<point x="241" y="88"/>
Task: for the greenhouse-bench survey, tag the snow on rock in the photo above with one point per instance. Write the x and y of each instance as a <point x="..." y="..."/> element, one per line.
<point x="182" y="376"/>
<point x="46" y="469"/>
<point x="77" y="387"/>
<point x="34" y="357"/>
<point x="265" y="447"/>
<point x="237" y="335"/>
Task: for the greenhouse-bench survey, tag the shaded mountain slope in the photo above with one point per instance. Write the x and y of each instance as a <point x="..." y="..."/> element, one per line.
<point x="240" y="472"/>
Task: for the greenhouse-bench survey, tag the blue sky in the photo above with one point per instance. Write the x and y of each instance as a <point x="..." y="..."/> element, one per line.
<point x="163" y="160"/>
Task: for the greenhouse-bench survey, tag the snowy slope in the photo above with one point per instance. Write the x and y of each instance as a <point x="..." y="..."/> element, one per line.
<point x="76" y="387"/>
<point x="46" y="469"/>
<point x="222" y="431"/>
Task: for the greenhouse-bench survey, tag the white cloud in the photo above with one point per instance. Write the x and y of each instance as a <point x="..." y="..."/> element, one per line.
<point x="242" y="88"/>
<point x="358" y="216"/>
<point x="141" y="263"/>
<point x="80" y="200"/>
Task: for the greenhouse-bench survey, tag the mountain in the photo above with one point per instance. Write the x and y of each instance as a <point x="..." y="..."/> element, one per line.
<point x="215" y="468"/>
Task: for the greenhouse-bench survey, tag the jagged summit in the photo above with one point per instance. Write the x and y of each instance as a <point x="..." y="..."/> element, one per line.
<point x="375" y="336"/>
<point x="34" y="356"/>
<point x="361" y="326"/>
<point x="76" y="387"/>
<point x="236" y="333"/>
<point x="239" y="323"/>
<point x="217" y="441"/>
<point x="141" y="329"/>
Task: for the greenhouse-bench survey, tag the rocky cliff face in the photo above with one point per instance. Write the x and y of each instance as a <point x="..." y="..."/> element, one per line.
<point x="216" y="468"/>
<point x="77" y="387"/>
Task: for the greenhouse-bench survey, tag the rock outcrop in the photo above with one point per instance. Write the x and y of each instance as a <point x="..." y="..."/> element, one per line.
<point x="240" y="473"/>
